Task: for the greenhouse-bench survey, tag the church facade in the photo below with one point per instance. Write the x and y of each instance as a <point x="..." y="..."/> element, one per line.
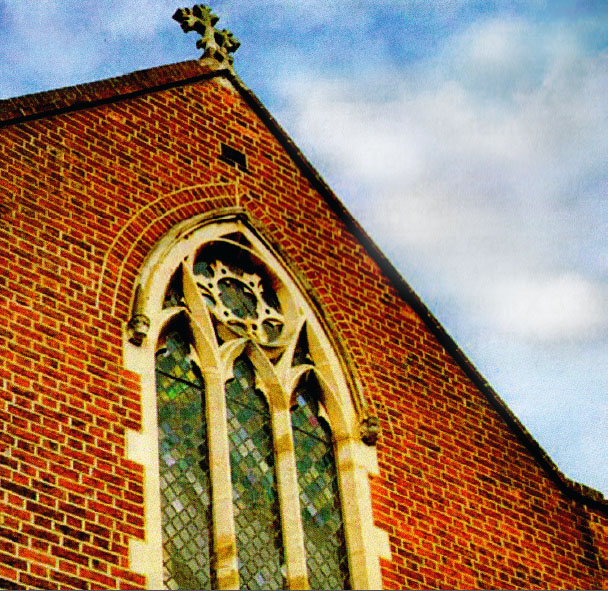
<point x="210" y="377"/>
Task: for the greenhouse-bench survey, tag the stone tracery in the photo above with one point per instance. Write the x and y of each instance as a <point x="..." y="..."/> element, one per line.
<point x="238" y="299"/>
<point x="298" y="351"/>
<point x="252" y="345"/>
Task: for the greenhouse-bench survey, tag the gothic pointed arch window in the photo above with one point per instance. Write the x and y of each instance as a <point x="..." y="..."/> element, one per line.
<point x="261" y="472"/>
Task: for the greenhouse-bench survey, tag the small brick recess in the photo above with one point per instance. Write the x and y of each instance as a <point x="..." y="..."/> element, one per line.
<point x="91" y="178"/>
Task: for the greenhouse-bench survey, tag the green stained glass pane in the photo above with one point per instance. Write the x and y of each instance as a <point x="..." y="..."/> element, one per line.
<point x="326" y="555"/>
<point x="184" y="467"/>
<point x="272" y="329"/>
<point x="254" y="491"/>
<point x="238" y="297"/>
<point x="202" y="267"/>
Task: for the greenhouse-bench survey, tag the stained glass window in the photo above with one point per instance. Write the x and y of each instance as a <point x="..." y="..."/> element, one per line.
<point x="255" y="497"/>
<point x="301" y="353"/>
<point x="224" y="297"/>
<point x="319" y="496"/>
<point x="184" y="469"/>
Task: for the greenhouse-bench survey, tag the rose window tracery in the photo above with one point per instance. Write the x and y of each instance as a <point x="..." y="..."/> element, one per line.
<point x="239" y="299"/>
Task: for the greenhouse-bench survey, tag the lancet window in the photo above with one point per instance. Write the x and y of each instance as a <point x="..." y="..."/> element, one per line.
<point x="256" y="444"/>
<point x="249" y="482"/>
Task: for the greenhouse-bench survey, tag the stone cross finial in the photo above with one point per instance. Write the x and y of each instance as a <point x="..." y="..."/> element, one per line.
<point x="215" y="44"/>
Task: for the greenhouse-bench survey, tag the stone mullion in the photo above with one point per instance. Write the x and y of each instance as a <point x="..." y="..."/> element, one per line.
<point x="352" y="478"/>
<point x="289" y="498"/>
<point x="225" y="563"/>
<point x="276" y="386"/>
<point x="224" y="540"/>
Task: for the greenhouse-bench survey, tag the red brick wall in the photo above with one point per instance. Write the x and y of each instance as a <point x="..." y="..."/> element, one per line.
<point x="464" y="501"/>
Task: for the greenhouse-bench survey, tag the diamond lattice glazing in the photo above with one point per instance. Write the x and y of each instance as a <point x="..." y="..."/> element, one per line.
<point x="319" y="496"/>
<point x="184" y="469"/>
<point x="256" y="505"/>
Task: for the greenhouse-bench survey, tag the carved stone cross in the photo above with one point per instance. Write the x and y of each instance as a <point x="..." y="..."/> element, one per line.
<point x="215" y="44"/>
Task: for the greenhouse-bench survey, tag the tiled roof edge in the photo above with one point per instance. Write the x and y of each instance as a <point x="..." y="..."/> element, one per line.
<point x="82" y="96"/>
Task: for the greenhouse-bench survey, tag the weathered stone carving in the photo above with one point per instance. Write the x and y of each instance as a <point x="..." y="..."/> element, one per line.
<point x="138" y="328"/>
<point x="139" y="323"/>
<point x="369" y="429"/>
<point x="216" y="44"/>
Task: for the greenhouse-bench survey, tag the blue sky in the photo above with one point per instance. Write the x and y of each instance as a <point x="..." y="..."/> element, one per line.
<point x="470" y="138"/>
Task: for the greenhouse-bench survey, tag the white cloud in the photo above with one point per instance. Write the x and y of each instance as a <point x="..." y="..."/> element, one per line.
<point x="48" y="43"/>
<point x="54" y="43"/>
<point x="483" y="174"/>
<point x="486" y="175"/>
<point x="136" y="19"/>
<point x="547" y="309"/>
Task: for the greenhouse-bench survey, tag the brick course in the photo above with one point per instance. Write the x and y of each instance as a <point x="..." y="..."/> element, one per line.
<point x="91" y="177"/>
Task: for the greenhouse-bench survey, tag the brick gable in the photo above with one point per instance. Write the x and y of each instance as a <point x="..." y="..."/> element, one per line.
<point x="91" y="178"/>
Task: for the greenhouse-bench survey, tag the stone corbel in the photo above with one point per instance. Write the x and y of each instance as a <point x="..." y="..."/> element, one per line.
<point x="139" y="324"/>
<point x="369" y="428"/>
